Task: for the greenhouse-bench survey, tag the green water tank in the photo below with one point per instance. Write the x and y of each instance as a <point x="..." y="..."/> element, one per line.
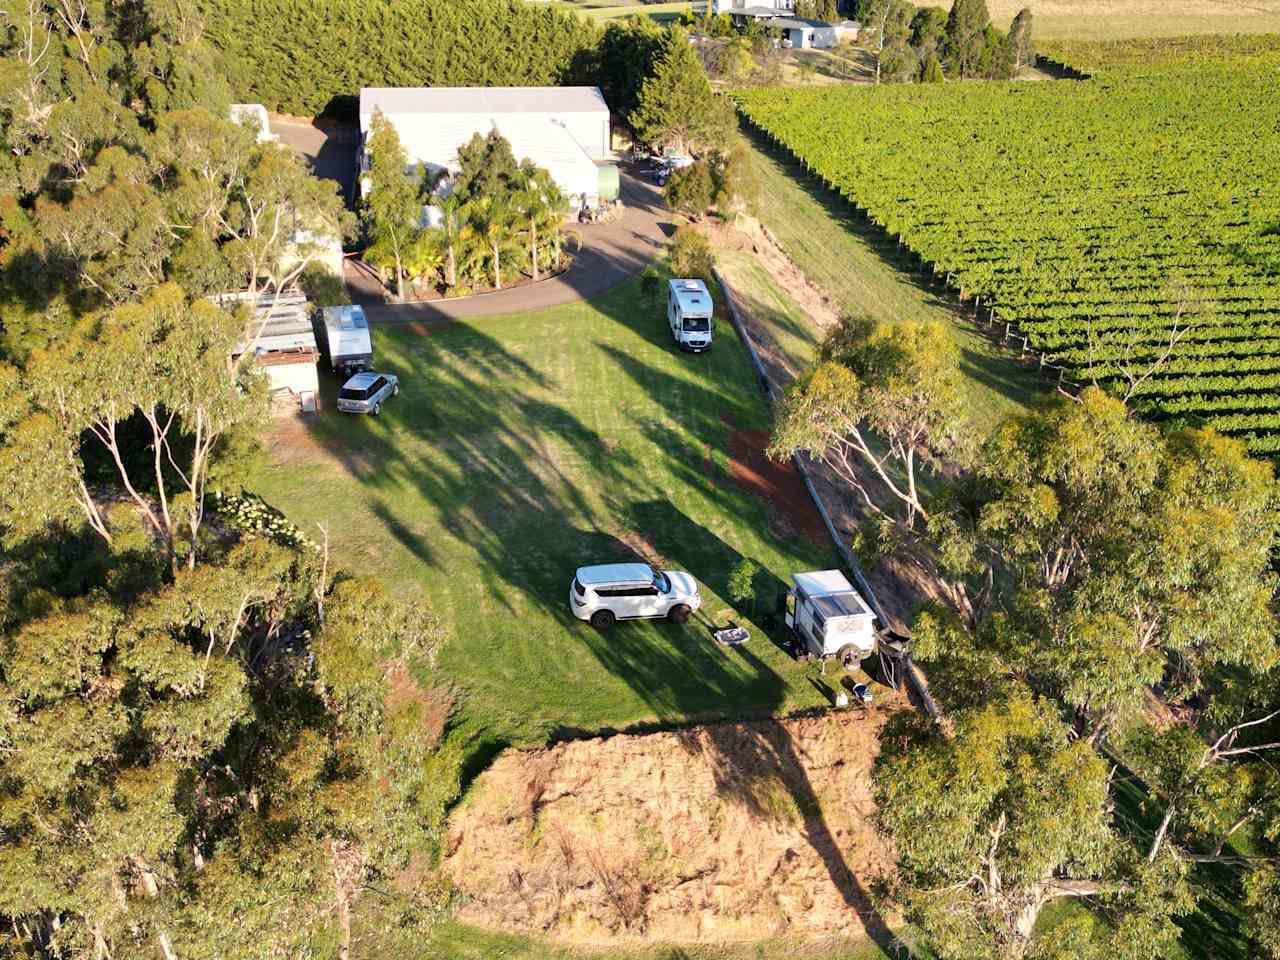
<point x="609" y="182"/>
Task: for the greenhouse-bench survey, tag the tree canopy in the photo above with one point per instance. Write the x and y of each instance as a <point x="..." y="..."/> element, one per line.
<point x="676" y="106"/>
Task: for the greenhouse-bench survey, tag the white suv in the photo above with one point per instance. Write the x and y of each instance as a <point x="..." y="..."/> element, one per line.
<point x="631" y="591"/>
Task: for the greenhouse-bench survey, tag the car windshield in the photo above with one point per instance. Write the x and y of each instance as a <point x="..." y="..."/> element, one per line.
<point x="353" y="393"/>
<point x="697" y="324"/>
<point x="661" y="582"/>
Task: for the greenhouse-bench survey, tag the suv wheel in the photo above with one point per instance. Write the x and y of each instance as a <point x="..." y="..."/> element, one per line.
<point x="377" y="408"/>
<point x="602" y="619"/>
<point x="395" y="391"/>
<point x="679" y="613"/>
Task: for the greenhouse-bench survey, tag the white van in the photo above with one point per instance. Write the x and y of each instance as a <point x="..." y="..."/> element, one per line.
<point x="631" y="591"/>
<point x="689" y="311"/>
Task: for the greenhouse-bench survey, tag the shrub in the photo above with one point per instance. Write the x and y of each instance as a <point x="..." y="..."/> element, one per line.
<point x="322" y="288"/>
<point x="691" y="255"/>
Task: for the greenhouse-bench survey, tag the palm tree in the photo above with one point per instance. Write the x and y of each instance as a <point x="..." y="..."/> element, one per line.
<point x="452" y="223"/>
<point x="492" y="219"/>
<point x="556" y="221"/>
<point x="538" y="198"/>
<point x="424" y="256"/>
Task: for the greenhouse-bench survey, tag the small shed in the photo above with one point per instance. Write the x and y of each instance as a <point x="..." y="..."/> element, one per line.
<point x="282" y="340"/>
<point x="800" y="33"/>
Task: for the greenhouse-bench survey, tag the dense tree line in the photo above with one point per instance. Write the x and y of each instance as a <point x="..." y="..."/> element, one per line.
<point x="308" y="57"/>
<point x="1106" y="626"/>
<point x="927" y="43"/>
<point x="212" y="743"/>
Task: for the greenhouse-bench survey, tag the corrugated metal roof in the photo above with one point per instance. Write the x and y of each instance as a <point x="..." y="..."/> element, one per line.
<point x="277" y="325"/>
<point x="484" y="100"/>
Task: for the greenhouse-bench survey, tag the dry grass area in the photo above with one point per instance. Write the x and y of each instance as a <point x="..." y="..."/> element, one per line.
<point x="716" y="834"/>
<point x="1123" y="19"/>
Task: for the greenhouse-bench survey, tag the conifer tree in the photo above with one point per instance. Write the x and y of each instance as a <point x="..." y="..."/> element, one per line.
<point x="1020" y="39"/>
<point x="966" y="37"/>
<point x="677" y="107"/>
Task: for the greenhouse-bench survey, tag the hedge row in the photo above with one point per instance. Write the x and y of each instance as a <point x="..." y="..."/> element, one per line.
<point x="306" y="57"/>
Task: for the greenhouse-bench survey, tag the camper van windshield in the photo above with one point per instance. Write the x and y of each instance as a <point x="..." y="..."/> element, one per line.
<point x="697" y="324"/>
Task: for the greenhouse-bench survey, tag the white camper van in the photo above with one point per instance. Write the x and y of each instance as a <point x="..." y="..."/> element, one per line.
<point x="689" y="314"/>
<point x="346" y="339"/>
<point x="830" y="618"/>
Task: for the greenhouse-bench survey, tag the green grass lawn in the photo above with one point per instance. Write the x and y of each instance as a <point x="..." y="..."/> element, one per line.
<point x="453" y="941"/>
<point x="867" y="275"/>
<point x="521" y="447"/>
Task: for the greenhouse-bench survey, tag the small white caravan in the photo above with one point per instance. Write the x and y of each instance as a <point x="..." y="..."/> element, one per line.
<point x="346" y="339"/>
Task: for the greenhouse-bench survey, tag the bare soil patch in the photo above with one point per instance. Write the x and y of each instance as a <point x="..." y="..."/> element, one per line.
<point x="777" y="484"/>
<point x="724" y="833"/>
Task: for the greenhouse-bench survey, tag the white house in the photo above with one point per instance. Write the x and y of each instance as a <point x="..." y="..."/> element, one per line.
<point x="564" y="130"/>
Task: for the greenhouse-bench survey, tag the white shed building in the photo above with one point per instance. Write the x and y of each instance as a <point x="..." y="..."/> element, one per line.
<point x="564" y="130"/>
<point x="283" y="342"/>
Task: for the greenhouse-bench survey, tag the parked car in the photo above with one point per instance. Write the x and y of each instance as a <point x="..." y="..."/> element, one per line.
<point x="669" y="165"/>
<point x="631" y="591"/>
<point x="367" y="392"/>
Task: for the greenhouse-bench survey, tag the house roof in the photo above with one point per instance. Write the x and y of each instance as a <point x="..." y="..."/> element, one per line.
<point x="482" y="100"/>
<point x="282" y="324"/>
<point x="797" y="23"/>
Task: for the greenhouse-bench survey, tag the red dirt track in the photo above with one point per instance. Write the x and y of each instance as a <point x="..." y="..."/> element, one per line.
<point x="779" y="485"/>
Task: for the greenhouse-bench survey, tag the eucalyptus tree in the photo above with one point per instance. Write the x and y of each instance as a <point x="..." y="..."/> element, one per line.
<point x="884" y="398"/>
<point x="393" y="207"/>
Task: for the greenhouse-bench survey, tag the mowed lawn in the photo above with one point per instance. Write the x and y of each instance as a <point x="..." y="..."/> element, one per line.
<point x="521" y="447"/>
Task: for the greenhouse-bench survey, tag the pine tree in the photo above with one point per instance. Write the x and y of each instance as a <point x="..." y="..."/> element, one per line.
<point x="677" y="107"/>
<point x="966" y="37"/>
<point x="1020" y="39"/>
<point x="932" y="72"/>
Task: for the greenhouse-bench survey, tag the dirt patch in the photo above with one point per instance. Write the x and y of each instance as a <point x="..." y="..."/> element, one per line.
<point x="643" y="548"/>
<point x="776" y="484"/>
<point x="732" y="832"/>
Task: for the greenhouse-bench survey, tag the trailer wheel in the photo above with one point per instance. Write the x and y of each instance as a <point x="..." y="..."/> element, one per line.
<point x="849" y="657"/>
<point x="679" y="613"/>
<point x="602" y="619"/>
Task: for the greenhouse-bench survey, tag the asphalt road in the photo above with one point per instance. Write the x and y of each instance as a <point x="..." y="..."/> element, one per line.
<point x="610" y="252"/>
